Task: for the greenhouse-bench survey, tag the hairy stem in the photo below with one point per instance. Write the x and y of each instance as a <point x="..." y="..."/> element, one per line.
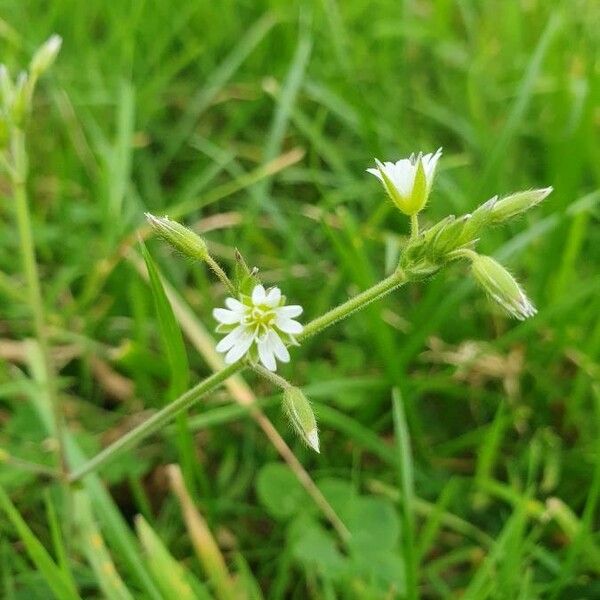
<point x="156" y="421"/>
<point x="34" y="293"/>
<point x="221" y="275"/>
<point x="163" y="416"/>
<point x="414" y="225"/>
<point x="379" y="290"/>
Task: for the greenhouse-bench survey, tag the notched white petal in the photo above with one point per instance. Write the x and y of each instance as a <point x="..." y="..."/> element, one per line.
<point x="230" y="340"/>
<point x="265" y="353"/>
<point x="240" y="348"/>
<point x="273" y="297"/>
<point x="291" y="311"/>
<point x="234" y="305"/>
<point x="258" y="295"/>
<point x="288" y="325"/>
<point x="226" y="316"/>
<point x="278" y="347"/>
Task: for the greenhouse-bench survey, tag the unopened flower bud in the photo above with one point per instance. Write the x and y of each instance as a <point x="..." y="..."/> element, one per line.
<point x="501" y="286"/>
<point x="4" y="131"/>
<point x="181" y="238"/>
<point x="301" y="416"/>
<point x="516" y="204"/>
<point x="476" y="222"/>
<point x="7" y="88"/>
<point x="21" y="99"/>
<point x="42" y="60"/>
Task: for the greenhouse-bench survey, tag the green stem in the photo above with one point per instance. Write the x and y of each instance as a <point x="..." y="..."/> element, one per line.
<point x="163" y="416"/>
<point x="222" y="276"/>
<point x="31" y="467"/>
<point x="414" y="226"/>
<point x="276" y="380"/>
<point x="32" y="277"/>
<point x="156" y="421"/>
<point x="379" y="290"/>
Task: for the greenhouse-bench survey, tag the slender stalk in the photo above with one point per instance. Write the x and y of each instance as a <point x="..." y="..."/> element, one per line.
<point x="276" y="380"/>
<point x="31" y="467"/>
<point x="414" y="225"/>
<point x="34" y="293"/>
<point x="163" y="416"/>
<point x="221" y="275"/>
<point x="156" y="421"/>
<point x="376" y="292"/>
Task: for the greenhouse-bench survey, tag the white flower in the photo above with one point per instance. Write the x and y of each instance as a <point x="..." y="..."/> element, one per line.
<point x="408" y="181"/>
<point x="259" y="325"/>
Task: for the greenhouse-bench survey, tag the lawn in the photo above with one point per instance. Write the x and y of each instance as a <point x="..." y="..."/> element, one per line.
<point x="459" y="448"/>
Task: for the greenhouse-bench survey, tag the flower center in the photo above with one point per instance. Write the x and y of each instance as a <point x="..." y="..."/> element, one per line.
<point x="260" y="318"/>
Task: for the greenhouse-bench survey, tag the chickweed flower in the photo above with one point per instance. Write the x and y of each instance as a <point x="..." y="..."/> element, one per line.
<point x="259" y="325"/>
<point x="408" y="181"/>
<point x="501" y="287"/>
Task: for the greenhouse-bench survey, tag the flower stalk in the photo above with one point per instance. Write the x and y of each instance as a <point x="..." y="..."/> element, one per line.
<point x="185" y="401"/>
<point x="34" y="293"/>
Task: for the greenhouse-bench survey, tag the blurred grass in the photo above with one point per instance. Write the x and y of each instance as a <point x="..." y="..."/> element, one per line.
<point x="156" y="107"/>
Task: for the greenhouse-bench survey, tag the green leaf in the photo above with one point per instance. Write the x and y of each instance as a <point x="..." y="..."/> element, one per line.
<point x="172" y="578"/>
<point x="59" y="583"/>
<point x="170" y="332"/>
<point x="279" y="491"/>
<point x="95" y="550"/>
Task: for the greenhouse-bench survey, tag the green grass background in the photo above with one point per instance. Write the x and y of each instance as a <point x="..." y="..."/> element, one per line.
<point x="461" y="449"/>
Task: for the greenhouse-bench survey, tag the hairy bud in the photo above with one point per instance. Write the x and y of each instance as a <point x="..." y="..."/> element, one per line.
<point x="501" y="286"/>
<point x="516" y="204"/>
<point x="46" y="55"/>
<point x="181" y="238"/>
<point x="301" y="416"/>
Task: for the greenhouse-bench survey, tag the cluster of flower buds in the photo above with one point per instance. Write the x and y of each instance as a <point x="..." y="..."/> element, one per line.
<point x="408" y="183"/>
<point x="15" y="96"/>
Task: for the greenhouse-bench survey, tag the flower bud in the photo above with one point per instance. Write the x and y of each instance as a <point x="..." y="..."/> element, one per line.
<point x="21" y="99"/>
<point x="301" y="416"/>
<point x="516" y="204"/>
<point x="7" y="88"/>
<point x="42" y="60"/>
<point x="477" y="221"/>
<point x="501" y="286"/>
<point x="181" y="238"/>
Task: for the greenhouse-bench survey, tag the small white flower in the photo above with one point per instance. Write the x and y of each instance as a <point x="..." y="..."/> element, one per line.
<point x="409" y="180"/>
<point x="260" y="325"/>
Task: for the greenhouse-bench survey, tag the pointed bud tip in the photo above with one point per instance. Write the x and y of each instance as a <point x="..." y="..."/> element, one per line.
<point x="312" y="437"/>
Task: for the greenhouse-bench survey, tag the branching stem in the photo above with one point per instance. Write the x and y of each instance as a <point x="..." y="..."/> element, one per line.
<point x="166" y="414"/>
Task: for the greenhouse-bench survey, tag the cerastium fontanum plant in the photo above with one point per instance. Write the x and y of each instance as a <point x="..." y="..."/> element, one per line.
<point x="258" y="324"/>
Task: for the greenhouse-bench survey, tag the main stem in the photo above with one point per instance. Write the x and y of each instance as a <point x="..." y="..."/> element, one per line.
<point x="163" y="416"/>
<point x="34" y="293"/>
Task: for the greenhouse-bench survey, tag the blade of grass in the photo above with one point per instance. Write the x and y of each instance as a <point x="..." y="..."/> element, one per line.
<point x="95" y="551"/>
<point x="206" y="547"/>
<point x="56" y="579"/>
<point x="406" y="483"/>
<point x="203" y="98"/>
<point x="112" y="520"/>
<point x="174" y="348"/>
<point x="172" y="578"/>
